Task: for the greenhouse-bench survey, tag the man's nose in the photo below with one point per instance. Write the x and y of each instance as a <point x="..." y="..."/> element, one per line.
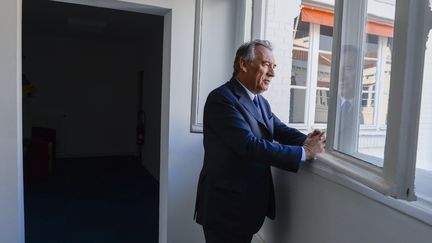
<point x="271" y="72"/>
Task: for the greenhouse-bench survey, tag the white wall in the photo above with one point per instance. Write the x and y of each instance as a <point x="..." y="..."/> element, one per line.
<point x="11" y="195"/>
<point x="313" y="209"/>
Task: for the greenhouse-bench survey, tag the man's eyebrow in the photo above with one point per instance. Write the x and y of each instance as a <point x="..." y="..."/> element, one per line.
<point x="273" y="64"/>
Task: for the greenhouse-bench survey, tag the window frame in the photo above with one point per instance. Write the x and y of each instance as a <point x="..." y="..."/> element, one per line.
<point x="396" y="178"/>
<point x="245" y="12"/>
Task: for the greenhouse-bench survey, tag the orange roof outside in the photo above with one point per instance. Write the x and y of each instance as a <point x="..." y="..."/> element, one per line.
<point x="326" y="17"/>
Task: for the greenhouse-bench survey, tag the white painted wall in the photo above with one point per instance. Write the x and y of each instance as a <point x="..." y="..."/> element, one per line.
<point x="313" y="209"/>
<point x="11" y="194"/>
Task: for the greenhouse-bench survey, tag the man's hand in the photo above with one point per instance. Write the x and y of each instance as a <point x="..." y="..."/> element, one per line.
<point x="314" y="144"/>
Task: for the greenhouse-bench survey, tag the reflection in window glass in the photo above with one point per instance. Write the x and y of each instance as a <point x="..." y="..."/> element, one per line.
<point x="375" y="83"/>
<point x="299" y="68"/>
<point x="367" y="112"/>
<point x="297" y="105"/>
<point x="324" y="68"/>
<point x="321" y="106"/>
<point x="364" y="80"/>
<point x="299" y="72"/>
<point x="301" y="34"/>
<point x="371" y="45"/>
<point x="326" y="38"/>
<point x="385" y="81"/>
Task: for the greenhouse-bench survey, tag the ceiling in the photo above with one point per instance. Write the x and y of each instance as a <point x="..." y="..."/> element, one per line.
<point x="43" y="17"/>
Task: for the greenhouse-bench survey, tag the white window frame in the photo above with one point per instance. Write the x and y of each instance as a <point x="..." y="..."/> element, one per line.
<point x="244" y="29"/>
<point x="396" y="178"/>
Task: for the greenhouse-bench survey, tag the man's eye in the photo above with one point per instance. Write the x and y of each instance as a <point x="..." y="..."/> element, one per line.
<point x="268" y="64"/>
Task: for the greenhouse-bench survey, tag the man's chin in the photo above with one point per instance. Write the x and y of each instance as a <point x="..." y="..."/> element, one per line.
<point x="265" y="88"/>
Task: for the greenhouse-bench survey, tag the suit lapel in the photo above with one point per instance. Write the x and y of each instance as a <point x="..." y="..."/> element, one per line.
<point x="247" y="102"/>
<point x="266" y="115"/>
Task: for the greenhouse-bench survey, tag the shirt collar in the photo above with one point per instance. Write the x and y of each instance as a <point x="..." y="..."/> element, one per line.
<point x="250" y="94"/>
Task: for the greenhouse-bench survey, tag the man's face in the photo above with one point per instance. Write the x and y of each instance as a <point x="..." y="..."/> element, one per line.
<point x="348" y="75"/>
<point x="260" y="71"/>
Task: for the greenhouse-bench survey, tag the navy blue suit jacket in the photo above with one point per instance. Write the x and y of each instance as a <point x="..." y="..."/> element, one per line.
<point x="235" y="188"/>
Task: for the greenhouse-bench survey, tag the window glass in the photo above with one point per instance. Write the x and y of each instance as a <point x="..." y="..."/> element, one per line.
<point x="321" y="106"/>
<point x="299" y="67"/>
<point x="385" y="81"/>
<point x="323" y="75"/>
<point x="326" y="38"/>
<point x="364" y="80"/>
<point x="299" y="72"/>
<point x="371" y="46"/>
<point x="297" y="105"/>
<point x="301" y="34"/>
<point x="324" y="68"/>
<point x="367" y="109"/>
<point x="323" y="85"/>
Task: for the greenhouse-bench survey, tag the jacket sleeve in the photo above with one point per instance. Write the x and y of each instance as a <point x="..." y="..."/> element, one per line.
<point x="223" y="120"/>
<point x="287" y="135"/>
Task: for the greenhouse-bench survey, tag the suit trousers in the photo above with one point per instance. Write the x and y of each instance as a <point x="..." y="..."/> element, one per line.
<point x="216" y="236"/>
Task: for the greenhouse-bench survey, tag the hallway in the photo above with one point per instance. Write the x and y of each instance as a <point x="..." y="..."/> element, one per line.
<point x="103" y="199"/>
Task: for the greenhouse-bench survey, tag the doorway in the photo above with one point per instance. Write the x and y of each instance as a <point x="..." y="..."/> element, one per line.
<point x="92" y="80"/>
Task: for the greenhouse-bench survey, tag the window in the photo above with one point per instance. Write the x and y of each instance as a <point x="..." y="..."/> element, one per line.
<point x="368" y="99"/>
<point x="323" y="75"/>
<point x="373" y="80"/>
<point x="299" y="73"/>
<point x="214" y="27"/>
<point x="310" y="77"/>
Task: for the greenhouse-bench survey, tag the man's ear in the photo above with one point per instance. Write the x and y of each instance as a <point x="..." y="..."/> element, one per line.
<point x="243" y="65"/>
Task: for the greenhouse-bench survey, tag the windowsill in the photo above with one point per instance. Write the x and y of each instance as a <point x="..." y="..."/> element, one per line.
<point x="368" y="183"/>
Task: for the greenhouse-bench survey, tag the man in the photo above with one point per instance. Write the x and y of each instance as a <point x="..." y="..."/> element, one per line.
<point x="350" y="116"/>
<point x="235" y="188"/>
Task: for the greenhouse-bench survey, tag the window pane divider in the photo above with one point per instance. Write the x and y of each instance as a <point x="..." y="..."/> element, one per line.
<point x="298" y="87"/>
<point x="300" y="48"/>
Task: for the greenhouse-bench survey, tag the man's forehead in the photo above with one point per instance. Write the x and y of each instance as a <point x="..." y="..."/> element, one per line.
<point x="264" y="53"/>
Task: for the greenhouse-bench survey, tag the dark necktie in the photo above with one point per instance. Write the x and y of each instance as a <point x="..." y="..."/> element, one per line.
<point x="255" y="101"/>
<point x="257" y="106"/>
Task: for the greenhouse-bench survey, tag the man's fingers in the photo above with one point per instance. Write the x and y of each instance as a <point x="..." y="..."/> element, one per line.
<point x="316" y="132"/>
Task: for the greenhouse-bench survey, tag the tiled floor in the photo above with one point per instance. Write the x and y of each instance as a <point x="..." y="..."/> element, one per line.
<point x="109" y="199"/>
